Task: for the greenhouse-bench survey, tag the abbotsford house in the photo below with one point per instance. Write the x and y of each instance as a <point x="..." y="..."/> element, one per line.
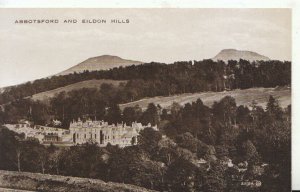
<point x="81" y="132"/>
<point x="103" y="133"/>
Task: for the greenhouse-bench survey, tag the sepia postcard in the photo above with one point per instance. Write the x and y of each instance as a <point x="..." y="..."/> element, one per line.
<point x="169" y="99"/>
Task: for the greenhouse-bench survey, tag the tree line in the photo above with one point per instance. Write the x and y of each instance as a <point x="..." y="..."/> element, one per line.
<point x="153" y="79"/>
<point x="86" y="103"/>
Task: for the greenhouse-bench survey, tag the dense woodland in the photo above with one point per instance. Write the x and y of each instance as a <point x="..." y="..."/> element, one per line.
<point x="154" y="79"/>
<point x="145" y="80"/>
<point x="166" y="160"/>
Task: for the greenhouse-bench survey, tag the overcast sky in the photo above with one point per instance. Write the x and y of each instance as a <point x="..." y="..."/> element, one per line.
<point x="31" y="51"/>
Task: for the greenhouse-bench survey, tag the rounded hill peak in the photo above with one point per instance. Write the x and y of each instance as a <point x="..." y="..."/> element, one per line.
<point x="234" y="54"/>
<point x="225" y="50"/>
<point x="108" y="56"/>
<point x="103" y="62"/>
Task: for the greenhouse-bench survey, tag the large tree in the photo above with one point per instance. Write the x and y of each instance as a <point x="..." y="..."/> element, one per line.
<point x="150" y="115"/>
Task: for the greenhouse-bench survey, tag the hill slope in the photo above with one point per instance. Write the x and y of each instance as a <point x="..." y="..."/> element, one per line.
<point x="83" y="84"/>
<point x="56" y="183"/>
<point x="242" y="97"/>
<point x="103" y="62"/>
<point x="233" y="54"/>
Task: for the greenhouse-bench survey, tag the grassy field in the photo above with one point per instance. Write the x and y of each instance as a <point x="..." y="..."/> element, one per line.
<point x="83" y="84"/>
<point x="242" y="97"/>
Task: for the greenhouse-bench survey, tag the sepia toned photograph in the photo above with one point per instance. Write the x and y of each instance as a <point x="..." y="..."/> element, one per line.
<point x="137" y="100"/>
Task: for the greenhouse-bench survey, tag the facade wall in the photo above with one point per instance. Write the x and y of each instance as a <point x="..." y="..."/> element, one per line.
<point x="102" y="133"/>
<point x="82" y="132"/>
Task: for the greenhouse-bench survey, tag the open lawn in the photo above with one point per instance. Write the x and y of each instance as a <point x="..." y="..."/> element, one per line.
<point x="242" y="97"/>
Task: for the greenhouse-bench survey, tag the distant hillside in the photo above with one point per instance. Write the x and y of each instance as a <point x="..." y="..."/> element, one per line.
<point x="103" y="62"/>
<point x="13" y="181"/>
<point x="83" y="84"/>
<point x="233" y="54"/>
<point x="242" y="97"/>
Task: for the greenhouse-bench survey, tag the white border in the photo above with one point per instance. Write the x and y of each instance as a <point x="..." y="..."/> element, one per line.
<point x="148" y="3"/>
<point x="294" y="4"/>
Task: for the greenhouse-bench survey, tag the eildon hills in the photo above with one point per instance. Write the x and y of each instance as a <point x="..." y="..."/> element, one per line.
<point x="104" y="62"/>
<point x="107" y="62"/>
<point x="233" y="54"/>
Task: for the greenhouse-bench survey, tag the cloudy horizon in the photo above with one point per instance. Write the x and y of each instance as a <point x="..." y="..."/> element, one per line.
<point x="32" y="51"/>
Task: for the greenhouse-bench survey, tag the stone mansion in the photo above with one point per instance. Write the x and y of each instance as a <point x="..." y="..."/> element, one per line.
<point x="80" y="132"/>
<point x="102" y="133"/>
